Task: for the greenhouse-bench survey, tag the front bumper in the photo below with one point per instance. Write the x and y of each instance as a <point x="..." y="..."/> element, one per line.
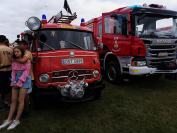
<point x="96" y="85"/>
<point x="147" y="70"/>
<point x="90" y="92"/>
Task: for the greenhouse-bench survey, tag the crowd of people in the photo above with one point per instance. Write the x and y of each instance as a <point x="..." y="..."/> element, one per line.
<point x="15" y="80"/>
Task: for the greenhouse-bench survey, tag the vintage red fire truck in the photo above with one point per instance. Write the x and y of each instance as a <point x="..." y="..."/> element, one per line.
<point x="65" y="57"/>
<point x="130" y="42"/>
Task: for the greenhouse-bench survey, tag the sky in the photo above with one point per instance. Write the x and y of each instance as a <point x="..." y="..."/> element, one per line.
<point x="14" y="13"/>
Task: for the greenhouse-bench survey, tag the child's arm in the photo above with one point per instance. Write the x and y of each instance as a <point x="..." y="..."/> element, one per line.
<point x="13" y="75"/>
<point x="25" y="74"/>
<point x="25" y="58"/>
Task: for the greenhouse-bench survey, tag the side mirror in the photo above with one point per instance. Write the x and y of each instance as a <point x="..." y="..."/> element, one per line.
<point x="100" y="45"/>
<point x="94" y="48"/>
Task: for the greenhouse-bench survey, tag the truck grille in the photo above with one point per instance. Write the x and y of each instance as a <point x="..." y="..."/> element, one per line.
<point x="161" y="55"/>
<point x="63" y="75"/>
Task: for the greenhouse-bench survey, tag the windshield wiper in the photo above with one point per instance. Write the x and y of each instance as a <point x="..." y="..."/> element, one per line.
<point x="47" y="45"/>
<point x="75" y="45"/>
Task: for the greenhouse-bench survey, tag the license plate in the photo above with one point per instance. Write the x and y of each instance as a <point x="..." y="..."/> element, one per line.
<point x="72" y="61"/>
<point x="162" y="54"/>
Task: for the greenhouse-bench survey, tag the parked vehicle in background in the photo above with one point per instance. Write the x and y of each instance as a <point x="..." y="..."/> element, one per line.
<point x="65" y="58"/>
<point x="130" y="42"/>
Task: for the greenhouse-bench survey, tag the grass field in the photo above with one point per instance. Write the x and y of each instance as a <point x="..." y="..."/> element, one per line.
<point x="139" y="106"/>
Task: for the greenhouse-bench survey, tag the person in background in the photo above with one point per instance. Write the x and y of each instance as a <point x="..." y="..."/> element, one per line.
<point x="5" y="71"/>
<point x="21" y="83"/>
<point x="7" y="42"/>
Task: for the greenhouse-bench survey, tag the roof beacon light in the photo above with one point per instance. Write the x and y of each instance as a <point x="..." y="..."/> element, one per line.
<point x="156" y="6"/>
<point x="82" y="22"/>
<point x="135" y="6"/>
<point x="44" y="19"/>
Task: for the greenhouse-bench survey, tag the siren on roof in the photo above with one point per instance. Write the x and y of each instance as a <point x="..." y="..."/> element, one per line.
<point x="44" y="19"/>
<point x="82" y="20"/>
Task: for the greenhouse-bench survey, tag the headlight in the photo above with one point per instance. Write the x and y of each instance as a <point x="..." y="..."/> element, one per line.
<point x="138" y="63"/>
<point x="44" y="78"/>
<point x="95" y="73"/>
<point x="33" y="23"/>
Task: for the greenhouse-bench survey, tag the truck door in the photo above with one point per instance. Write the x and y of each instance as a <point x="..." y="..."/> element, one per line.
<point x="115" y="33"/>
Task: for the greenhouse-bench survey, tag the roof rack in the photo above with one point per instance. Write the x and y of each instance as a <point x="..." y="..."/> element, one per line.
<point x="60" y="18"/>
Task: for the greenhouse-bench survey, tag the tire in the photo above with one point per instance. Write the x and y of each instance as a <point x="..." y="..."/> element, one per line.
<point x="113" y="73"/>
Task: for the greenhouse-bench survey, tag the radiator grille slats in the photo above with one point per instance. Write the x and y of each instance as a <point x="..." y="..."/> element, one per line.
<point x="62" y="76"/>
<point x="159" y="55"/>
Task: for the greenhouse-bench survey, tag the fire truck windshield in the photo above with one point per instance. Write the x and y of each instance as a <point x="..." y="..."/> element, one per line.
<point x="155" y="26"/>
<point x="55" y="39"/>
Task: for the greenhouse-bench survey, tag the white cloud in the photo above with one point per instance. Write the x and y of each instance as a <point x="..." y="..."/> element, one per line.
<point x="14" y="13"/>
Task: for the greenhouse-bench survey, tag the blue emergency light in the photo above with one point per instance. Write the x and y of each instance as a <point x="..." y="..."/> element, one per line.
<point x="44" y="17"/>
<point x="135" y="6"/>
<point x="82" y="20"/>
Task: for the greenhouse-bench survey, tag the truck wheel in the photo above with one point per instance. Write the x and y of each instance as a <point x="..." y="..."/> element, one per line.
<point x="113" y="73"/>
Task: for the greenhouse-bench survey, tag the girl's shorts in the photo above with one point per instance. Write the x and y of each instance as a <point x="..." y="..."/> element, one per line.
<point x="27" y="84"/>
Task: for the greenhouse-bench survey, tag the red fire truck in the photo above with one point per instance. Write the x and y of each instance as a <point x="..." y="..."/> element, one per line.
<point x="130" y="42"/>
<point x="65" y="58"/>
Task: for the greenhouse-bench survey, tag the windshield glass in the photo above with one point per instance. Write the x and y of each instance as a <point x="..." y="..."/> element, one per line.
<point x="150" y="25"/>
<point x="55" y="39"/>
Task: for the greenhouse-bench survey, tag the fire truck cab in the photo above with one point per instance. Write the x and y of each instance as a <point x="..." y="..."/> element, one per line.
<point x="64" y="58"/>
<point x="130" y="42"/>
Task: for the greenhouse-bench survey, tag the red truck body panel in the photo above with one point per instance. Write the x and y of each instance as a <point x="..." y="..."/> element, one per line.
<point x="121" y="44"/>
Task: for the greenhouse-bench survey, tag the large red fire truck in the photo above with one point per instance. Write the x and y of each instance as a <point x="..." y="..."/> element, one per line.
<point x="64" y="57"/>
<point x="130" y="42"/>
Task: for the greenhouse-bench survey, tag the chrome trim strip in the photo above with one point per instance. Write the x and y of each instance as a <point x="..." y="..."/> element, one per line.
<point x="65" y="56"/>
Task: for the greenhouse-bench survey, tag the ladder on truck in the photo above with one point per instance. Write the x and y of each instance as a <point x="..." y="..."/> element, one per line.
<point x="60" y="18"/>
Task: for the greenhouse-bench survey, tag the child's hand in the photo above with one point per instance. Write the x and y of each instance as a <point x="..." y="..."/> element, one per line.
<point x="15" y="86"/>
<point x="19" y="83"/>
<point x="13" y="83"/>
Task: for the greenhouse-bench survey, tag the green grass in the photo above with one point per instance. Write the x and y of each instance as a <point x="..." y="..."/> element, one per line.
<point x="140" y="106"/>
